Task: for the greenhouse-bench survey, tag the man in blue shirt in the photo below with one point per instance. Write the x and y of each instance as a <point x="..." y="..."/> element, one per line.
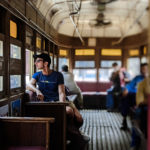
<point x="129" y="94"/>
<point x="51" y="88"/>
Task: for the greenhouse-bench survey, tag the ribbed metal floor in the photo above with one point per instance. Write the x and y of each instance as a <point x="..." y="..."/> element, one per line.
<point x="104" y="130"/>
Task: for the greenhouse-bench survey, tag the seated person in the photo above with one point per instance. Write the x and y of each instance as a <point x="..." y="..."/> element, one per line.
<point x="51" y="88"/>
<point x="129" y="94"/>
<point x="71" y="85"/>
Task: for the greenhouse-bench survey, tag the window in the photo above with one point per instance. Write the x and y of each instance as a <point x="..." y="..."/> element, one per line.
<point x="1" y="83"/>
<point x="55" y="62"/>
<point x="108" y="63"/>
<point x="134" y="52"/>
<point x="15" y="81"/>
<point x="13" y="29"/>
<point x="1" y="48"/>
<point x="145" y="50"/>
<point x="84" y="74"/>
<point x="15" y="51"/>
<point x="104" y="74"/>
<point x="106" y="69"/>
<point x="62" y="52"/>
<point x="111" y="52"/>
<point x="29" y="65"/>
<point x="133" y="66"/>
<point x="84" y="64"/>
<point x="63" y="61"/>
<point x="38" y="42"/>
<point x="84" y="52"/>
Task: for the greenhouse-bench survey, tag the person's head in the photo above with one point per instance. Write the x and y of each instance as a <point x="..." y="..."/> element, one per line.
<point x="144" y="69"/>
<point x="42" y="60"/>
<point x="64" y="68"/>
<point x="115" y="66"/>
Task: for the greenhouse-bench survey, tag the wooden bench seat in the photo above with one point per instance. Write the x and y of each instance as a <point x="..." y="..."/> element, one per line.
<point x="26" y="148"/>
<point x="25" y="133"/>
<point x="94" y="100"/>
<point x="50" y="109"/>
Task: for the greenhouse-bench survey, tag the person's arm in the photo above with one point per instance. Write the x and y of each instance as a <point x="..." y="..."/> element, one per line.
<point x="62" y="95"/>
<point x="31" y="86"/>
<point x="140" y="94"/>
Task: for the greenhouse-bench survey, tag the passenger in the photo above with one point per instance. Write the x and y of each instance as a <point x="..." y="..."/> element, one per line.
<point x="143" y="91"/>
<point x="51" y="89"/>
<point x="129" y="94"/>
<point x="71" y="85"/>
<point x="115" y="90"/>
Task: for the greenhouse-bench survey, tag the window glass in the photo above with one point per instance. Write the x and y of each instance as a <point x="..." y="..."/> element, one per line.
<point x="108" y="63"/>
<point x="1" y="48"/>
<point x="62" y="52"/>
<point x="51" y="65"/>
<point x="145" y="50"/>
<point x="84" y="64"/>
<point x="111" y="52"/>
<point x="134" y="52"/>
<point x="104" y="74"/>
<point x="63" y="61"/>
<point x="85" y="52"/>
<point x="1" y="83"/>
<point x="15" y="81"/>
<point x="38" y="42"/>
<point x="29" y="65"/>
<point x="55" y="62"/>
<point x="133" y="66"/>
<point x="13" y="29"/>
<point x="15" y="51"/>
<point x="84" y="74"/>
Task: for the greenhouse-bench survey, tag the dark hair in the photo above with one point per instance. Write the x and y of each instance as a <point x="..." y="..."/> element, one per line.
<point x="45" y="57"/>
<point x="64" y="68"/>
<point x="114" y="64"/>
<point x="143" y="64"/>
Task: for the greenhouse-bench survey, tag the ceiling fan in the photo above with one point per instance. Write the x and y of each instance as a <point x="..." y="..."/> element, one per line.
<point x="99" y="21"/>
<point x="104" y="1"/>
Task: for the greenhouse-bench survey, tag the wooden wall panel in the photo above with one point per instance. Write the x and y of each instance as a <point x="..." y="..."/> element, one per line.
<point x="40" y="21"/>
<point x="15" y="66"/>
<point x="18" y="4"/>
<point x="30" y="13"/>
<point x="47" y="28"/>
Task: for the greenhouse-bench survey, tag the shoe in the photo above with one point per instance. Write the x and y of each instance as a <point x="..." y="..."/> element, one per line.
<point x="86" y="138"/>
<point x="124" y="125"/>
<point x="124" y="128"/>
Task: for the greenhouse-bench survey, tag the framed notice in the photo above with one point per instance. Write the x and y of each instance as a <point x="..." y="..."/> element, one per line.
<point x="16" y="108"/>
<point x="15" y="51"/>
<point x="15" y="81"/>
<point x="1" y="83"/>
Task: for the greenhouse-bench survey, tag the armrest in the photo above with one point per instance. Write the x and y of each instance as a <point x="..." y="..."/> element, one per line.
<point x="28" y="119"/>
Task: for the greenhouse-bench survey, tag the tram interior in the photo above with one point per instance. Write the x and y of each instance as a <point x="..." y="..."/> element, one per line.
<point x="88" y="36"/>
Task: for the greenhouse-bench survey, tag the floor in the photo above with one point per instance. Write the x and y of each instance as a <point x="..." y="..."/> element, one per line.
<point x="104" y="130"/>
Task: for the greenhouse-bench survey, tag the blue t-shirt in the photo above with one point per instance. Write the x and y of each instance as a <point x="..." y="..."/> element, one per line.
<point x="48" y="84"/>
<point x="132" y="86"/>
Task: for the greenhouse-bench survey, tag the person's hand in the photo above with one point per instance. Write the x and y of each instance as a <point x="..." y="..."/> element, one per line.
<point x="40" y="96"/>
<point x="125" y="92"/>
